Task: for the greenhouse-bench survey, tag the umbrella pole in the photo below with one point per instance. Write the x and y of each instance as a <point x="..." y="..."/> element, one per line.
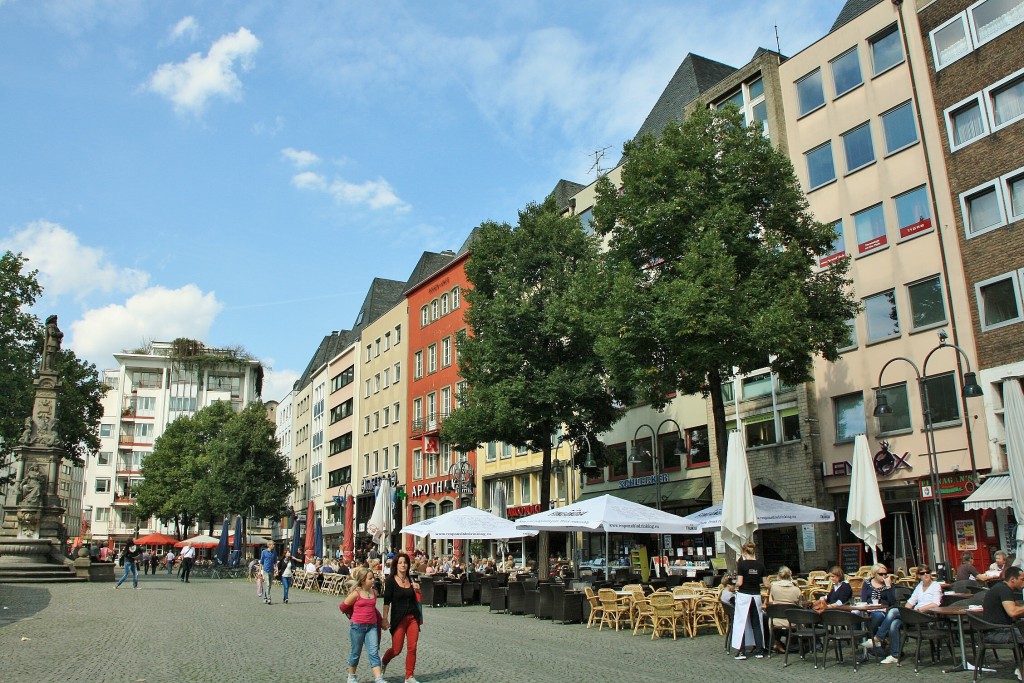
<point x="607" y="559"/>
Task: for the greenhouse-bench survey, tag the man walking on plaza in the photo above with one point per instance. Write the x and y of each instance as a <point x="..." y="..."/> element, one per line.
<point x="130" y="555"/>
<point x="268" y="561"/>
<point x="188" y="557"/>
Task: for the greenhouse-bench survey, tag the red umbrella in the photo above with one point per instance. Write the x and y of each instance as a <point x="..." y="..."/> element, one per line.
<point x="348" y="543"/>
<point x="310" y="545"/>
<point x="156" y="539"/>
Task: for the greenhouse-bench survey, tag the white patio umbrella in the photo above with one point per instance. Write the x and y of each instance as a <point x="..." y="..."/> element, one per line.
<point x="865" y="512"/>
<point x="382" y="519"/>
<point x="608" y="514"/>
<point x="739" y="517"/>
<point x="499" y="508"/>
<point x="1013" y="417"/>
<point x="770" y="514"/>
<point x="467" y="522"/>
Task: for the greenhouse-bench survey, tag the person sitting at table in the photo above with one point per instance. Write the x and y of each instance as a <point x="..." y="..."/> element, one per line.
<point x="878" y="590"/>
<point x="456" y="572"/>
<point x="996" y="569"/>
<point x="927" y="594"/>
<point x="967" y="570"/>
<point x="839" y="591"/>
<point x="783" y="591"/>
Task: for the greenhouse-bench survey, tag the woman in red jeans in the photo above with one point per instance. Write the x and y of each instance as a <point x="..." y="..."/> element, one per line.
<point x="402" y="609"/>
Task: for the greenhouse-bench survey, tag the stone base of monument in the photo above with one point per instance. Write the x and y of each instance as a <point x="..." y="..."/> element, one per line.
<point x="33" y="560"/>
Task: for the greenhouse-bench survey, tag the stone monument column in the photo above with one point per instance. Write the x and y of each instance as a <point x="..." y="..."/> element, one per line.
<point x="31" y="527"/>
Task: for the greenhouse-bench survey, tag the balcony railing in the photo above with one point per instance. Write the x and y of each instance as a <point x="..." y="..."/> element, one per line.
<point x="431" y="423"/>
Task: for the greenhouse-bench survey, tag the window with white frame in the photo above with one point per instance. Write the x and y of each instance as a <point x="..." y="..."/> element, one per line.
<point x="899" y="419"/>
<point x="368" y="388"/>
<point x="387" y="341"/>
<point x="927" y="304"/>
<point x="376" y="347"/>
<point x="982" y="209"/>
<point x="881" y="316"/>
<point x="376" y="383"/>
<point x="435" y="309"/>
<point x="851" y="339"/>
<point x="432" y="358"/>
<point x="106" y="430"/>
<point x="991" y="18"/>
<point x="376" y="461"/>
<point x="525" y="490"/>
<point x="398" y="334"/>
<point x="821" y="169"/>
<point x="446" y="352"/>
<point x="417" y="412"/>
<point x="398" y="372"/>
<point x="950" y="41"/>
<point x="103" y="458"/>
<point x="810" y="93"/>
<point x="456" y="297"/>
<point x="966" y="122"/>
<point x="492" y="451"/>
<point x="913" y="212"/>
<point x="101" y="515"/>
<point x="886" y="50"/>
<point x="1014" y="185"/>
<point x="431" y="410"/>
<point x="506" y="451"/>
<point x="999" y="301"/>
<point x="446" y="402"/>
<point x="460" y="393"/>
<point x="395" y="412"/>
<point x="759" y="430"/>
<point x="446" y="457"/>
<point x="1005" y="100"/>
<point x="751" y="102"/>
<point x="386" y="378"/>
<point x="849" y="417"/>
<point x="102" y="485"/>
<point x="757" y="385"/>
<point x="444" y="304"/>
<point x="366" y="424"/>
<point x="859" y="149"/>
<point x="386" y="416"/>
<point x="417" y="365"/>
<point x="424" y="316"/>
<point x="846" y="72"/>
<point x="369" y="352"/>
<point x="838" y="250"/>
<point x="386" y="452"/>
<point x="899" y="127"/>
<point x="394" y="454"/>
<point x="431" y="464"/>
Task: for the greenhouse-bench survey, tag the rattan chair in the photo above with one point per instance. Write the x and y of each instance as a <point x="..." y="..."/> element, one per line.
<point x="596" y="610"/>
<point x="613" y="610"/>
<point x="643" y="616"/>
<point x="704" y="612"/>
<point x="665" y="619"/>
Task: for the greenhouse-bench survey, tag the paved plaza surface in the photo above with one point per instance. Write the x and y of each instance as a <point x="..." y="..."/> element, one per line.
<point x="218" y="630"/>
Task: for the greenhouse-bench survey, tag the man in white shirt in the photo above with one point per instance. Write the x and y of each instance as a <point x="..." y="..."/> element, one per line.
<point x="170" y="561"/>
<point x="188" y="558"/>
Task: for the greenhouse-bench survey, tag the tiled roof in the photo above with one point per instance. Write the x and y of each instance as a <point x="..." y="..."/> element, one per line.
<point x="329" y="347"/>
<point x="851" y="10"/>
<point x="564" y="190"/>
<point x="429" y="263"/>
<point x="382" y="296"/>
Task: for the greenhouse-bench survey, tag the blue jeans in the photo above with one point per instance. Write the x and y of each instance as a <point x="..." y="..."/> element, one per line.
<point x="364" y="633"/>
<point x="133" y="569"/>
<point x="286" y="582"/>
<point x="268" y="581"/>
<point x="890" y="628"/>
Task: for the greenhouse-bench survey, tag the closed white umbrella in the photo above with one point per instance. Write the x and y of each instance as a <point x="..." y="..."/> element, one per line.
<point x="499" y="508"/>
<point x="770" y="514"/>
<point x="865" y="512"/>
<point x="739" y="516"/>
<point x="467" y="522"/>
<point x="1013" y="418"/>
<point x="381" y="522"/>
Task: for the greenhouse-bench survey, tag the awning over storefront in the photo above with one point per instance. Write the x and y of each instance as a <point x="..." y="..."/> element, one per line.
<point x="994" y="493"/>
<point x="695" y="490"/>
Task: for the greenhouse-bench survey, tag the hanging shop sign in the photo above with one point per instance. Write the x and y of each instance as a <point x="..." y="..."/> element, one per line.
<point x="463" y="477"/>
<point x="431" y="445"/>
<point x="369" y="484"/>
<point x="887" y="462"/>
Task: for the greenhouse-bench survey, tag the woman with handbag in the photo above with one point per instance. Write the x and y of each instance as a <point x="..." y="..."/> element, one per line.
<point x="402" y="605"/>
<point x="361" y="607"/>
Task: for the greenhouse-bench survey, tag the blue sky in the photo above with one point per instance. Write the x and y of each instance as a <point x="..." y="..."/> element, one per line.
<point x="238" y="172"/>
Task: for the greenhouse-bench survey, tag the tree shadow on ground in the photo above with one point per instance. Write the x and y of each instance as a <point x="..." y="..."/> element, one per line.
<point x="19" y="601"/>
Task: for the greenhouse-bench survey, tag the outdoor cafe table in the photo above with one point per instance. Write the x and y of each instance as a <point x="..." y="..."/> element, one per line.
<point x="957" y="611"/>
<point x="858" y="608"/>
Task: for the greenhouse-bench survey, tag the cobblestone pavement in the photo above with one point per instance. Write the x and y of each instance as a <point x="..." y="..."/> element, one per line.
<point x="218" y="630"/>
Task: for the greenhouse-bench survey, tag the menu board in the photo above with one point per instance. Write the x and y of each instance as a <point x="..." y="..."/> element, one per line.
<point x="850" y="557"/>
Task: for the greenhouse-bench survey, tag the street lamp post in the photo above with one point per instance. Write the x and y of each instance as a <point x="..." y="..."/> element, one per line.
<point x="568" y="468"/>
<point x="970" y="388"/>
<point x="638" y="455"/>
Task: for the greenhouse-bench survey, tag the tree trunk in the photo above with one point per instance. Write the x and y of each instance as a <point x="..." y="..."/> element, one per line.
<point x="718" y="416"/>
<point x="543" y="538"/>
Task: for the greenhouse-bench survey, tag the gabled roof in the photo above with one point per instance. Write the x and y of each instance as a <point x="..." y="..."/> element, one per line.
<point x="468" y="243"/>
<point x="329" y="348"/>
<point x="695" y="75"/>
<point x="851" y="10"/>
<point x="429" y="263"/>
<point x="565" y="190"/>
<point x="382" y="296"/>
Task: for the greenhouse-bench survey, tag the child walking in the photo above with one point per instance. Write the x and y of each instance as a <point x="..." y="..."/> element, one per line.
<point x="361" y="607"/>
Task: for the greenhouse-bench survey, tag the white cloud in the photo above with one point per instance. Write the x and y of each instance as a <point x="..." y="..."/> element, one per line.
<point x="155" y="313"/>
<point x="66" y="266"/>
<point x="376" y="194"/>
<point x="192" y="83"/>
<point x="300" y="158"/>
<point x="277" y="383"/>
<point x="187" y="27"/>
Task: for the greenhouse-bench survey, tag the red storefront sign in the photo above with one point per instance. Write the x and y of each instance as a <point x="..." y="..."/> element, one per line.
<point x="431" y="445"/>
<point x="517" y="511"/>
<point x="915" y="228"/>
<point x="951" y="485"/>
<point x="872" y="244"/>
<point x="827" y="261"/>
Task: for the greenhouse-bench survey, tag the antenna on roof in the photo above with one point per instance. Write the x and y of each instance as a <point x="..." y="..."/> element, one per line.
<point x="598" y="155"/>
<point x="778" y="45"/>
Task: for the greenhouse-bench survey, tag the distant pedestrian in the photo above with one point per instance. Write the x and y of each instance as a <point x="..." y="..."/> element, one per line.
<point x="170" y="562"/>
<point x="268" y="561"/>
<point x="145" y="562"/>
<point x="288" y="564"/>
<point x="188" y="558"/>
<point x="403" y="611"/>
<point x="130" y="555"/>
<point x="154" y="560"/>
<point x="361" y="607"/>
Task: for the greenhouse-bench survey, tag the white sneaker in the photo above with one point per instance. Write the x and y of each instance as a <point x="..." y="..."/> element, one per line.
<point x="411" y="679"/>
<point x="890" y="660"/>
<point x="352" y="678"/>
<point x="1017" y="673"/>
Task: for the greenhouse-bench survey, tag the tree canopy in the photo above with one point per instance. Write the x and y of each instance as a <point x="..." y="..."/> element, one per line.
<point x="711" y="266"/>
<point x="529" y="362"/>
<point x="215" y="463"/>
<point x="21" y="343"/>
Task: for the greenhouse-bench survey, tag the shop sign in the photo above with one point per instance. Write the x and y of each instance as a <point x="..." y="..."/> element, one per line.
<point x="431" y="488"/>
<point x="642" y="481"/>
<point x="916" y="228"/>
<point x="463" y="477"/>
<point x="887" y="462"/>
<point x="431" y="445"/>
<point x="957" y="485"/>
<point x="369" y="484"/>
<point x="517" y="511"/>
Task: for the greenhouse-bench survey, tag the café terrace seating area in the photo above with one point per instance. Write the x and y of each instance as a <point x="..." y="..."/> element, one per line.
<point x="680" y="609"/>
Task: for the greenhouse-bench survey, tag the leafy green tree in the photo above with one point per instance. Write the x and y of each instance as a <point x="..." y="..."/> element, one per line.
<point x="21" y="342"/>
<point x="529" y="362"/>
<point x="214" y="463"/>
<point x="711" y="265"/>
